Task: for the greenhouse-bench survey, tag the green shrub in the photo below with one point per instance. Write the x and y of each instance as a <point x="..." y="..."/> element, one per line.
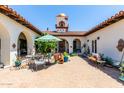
<point x="73" y="54"/>
<point x="109" y="60"/>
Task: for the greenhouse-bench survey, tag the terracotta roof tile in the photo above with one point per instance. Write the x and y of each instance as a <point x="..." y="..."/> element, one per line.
<point x="71" y="33"/>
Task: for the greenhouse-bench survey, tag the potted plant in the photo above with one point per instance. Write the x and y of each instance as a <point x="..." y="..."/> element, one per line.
<point x="17" y="62"/>
<point x="66" y="56"/>
<point x="121" y="77"/>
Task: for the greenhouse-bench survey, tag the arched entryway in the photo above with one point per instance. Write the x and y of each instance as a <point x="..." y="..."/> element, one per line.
<point x="4" y="45"/>
<point x="63" y="46"/>
<point x="76" y="45"/>
<point x="22" y="45"/>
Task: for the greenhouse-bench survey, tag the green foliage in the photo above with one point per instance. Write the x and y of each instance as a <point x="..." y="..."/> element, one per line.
<point x="73" y="54"/>
<point x="65" y="54"/>
<point x="45" y="47"/>
<point x="109" y="60"/>
<point x="122" y="69"/>
<point x="45" y="33"/>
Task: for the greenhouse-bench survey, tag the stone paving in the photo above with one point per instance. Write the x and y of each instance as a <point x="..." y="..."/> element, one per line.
<point x="77" y="73"/>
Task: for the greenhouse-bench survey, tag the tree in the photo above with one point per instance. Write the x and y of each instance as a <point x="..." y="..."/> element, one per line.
<point x="45" y="47"/>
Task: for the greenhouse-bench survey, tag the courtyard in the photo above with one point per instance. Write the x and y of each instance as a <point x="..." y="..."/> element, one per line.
<point x="77" y="73"/>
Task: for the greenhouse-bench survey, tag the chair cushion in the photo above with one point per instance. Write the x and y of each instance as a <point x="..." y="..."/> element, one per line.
<point x="39" y="62"/>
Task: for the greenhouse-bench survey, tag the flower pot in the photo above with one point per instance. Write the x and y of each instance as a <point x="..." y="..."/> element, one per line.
<point x="65" y="58"/>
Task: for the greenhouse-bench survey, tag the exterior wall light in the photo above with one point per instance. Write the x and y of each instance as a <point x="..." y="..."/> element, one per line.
<point x="14" y="45"/>
<point x="98" y="38"/>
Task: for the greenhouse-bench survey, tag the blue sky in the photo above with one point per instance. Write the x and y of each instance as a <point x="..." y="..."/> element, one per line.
<point x="81" y="17"/>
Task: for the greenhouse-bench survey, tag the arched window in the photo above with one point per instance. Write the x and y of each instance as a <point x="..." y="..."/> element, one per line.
<point x="61" y="23"/>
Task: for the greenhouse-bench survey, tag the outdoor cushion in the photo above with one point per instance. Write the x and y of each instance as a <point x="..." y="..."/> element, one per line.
<point x="92" y="59"/>
<point x="39" y="62"/>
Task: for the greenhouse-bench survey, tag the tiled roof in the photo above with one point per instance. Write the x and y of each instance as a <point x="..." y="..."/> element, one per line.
<point x="71" y="33"/>
<point x="18" y="18"/>
<point x="117" y="17"/>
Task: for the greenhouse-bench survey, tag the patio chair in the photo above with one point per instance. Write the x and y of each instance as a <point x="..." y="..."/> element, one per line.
<point x="56" y="56"/>
<point x="39" y="63"/>
<point x="24" y="63"/>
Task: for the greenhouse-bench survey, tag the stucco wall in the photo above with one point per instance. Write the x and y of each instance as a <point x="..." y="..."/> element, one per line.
<point x="14" y="29"/>
<point x="108" y="41"/>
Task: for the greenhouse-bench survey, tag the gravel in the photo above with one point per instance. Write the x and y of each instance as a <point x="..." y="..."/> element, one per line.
<point x="77" y="73"/>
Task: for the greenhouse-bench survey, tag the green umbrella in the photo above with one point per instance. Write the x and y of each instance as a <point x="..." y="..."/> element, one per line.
<point x="48" y="38"/>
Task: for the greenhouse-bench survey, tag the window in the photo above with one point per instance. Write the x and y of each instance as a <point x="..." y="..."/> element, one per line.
<point x="95" y="46"/>
<point x="92" y="46"/>
<point x="61" y="23"/>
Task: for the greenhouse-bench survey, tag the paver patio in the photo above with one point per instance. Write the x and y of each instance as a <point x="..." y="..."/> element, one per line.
<point x="74" y="74"/>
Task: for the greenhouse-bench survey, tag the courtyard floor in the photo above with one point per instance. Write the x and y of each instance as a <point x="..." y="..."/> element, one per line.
<point x="77" y="73"/>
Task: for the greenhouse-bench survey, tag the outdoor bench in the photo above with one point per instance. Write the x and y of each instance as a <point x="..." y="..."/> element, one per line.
<point x="96" y="60"/>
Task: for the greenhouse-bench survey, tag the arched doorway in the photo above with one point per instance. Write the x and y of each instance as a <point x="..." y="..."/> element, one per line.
<point x="77" y="45"/>
<point x="63" y="46"/>
<point x="22" y="45"/>
<point x="4" y="45"/>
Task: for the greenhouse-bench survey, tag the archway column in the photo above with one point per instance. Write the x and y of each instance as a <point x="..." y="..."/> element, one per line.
<point x="70" y="45"/>
<point x="13" y="49"/>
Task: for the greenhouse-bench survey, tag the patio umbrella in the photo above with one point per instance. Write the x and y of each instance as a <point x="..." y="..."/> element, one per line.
<point x="48" y="38"/>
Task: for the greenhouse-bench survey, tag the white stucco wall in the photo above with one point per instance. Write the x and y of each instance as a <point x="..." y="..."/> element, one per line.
<point x="14" y="29"/>
<point x="70" y="40"/>
<point x="109" y="37"/>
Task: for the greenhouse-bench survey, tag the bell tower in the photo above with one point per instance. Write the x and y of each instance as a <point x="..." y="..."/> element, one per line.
<point x="62" y="23"/>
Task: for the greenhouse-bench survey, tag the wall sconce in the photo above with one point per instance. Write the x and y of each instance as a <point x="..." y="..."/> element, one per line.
<point x="98" y="38"/>
<point x="14" y="45"/>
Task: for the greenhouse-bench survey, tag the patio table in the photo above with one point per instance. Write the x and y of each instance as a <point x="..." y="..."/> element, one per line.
<point x="37" y="63"/>
<point x="29" y="56"/>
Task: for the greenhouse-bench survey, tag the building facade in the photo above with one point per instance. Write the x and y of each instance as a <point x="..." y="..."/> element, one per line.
<point x="102" y="39"/>
<point x="17" y="36"/>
